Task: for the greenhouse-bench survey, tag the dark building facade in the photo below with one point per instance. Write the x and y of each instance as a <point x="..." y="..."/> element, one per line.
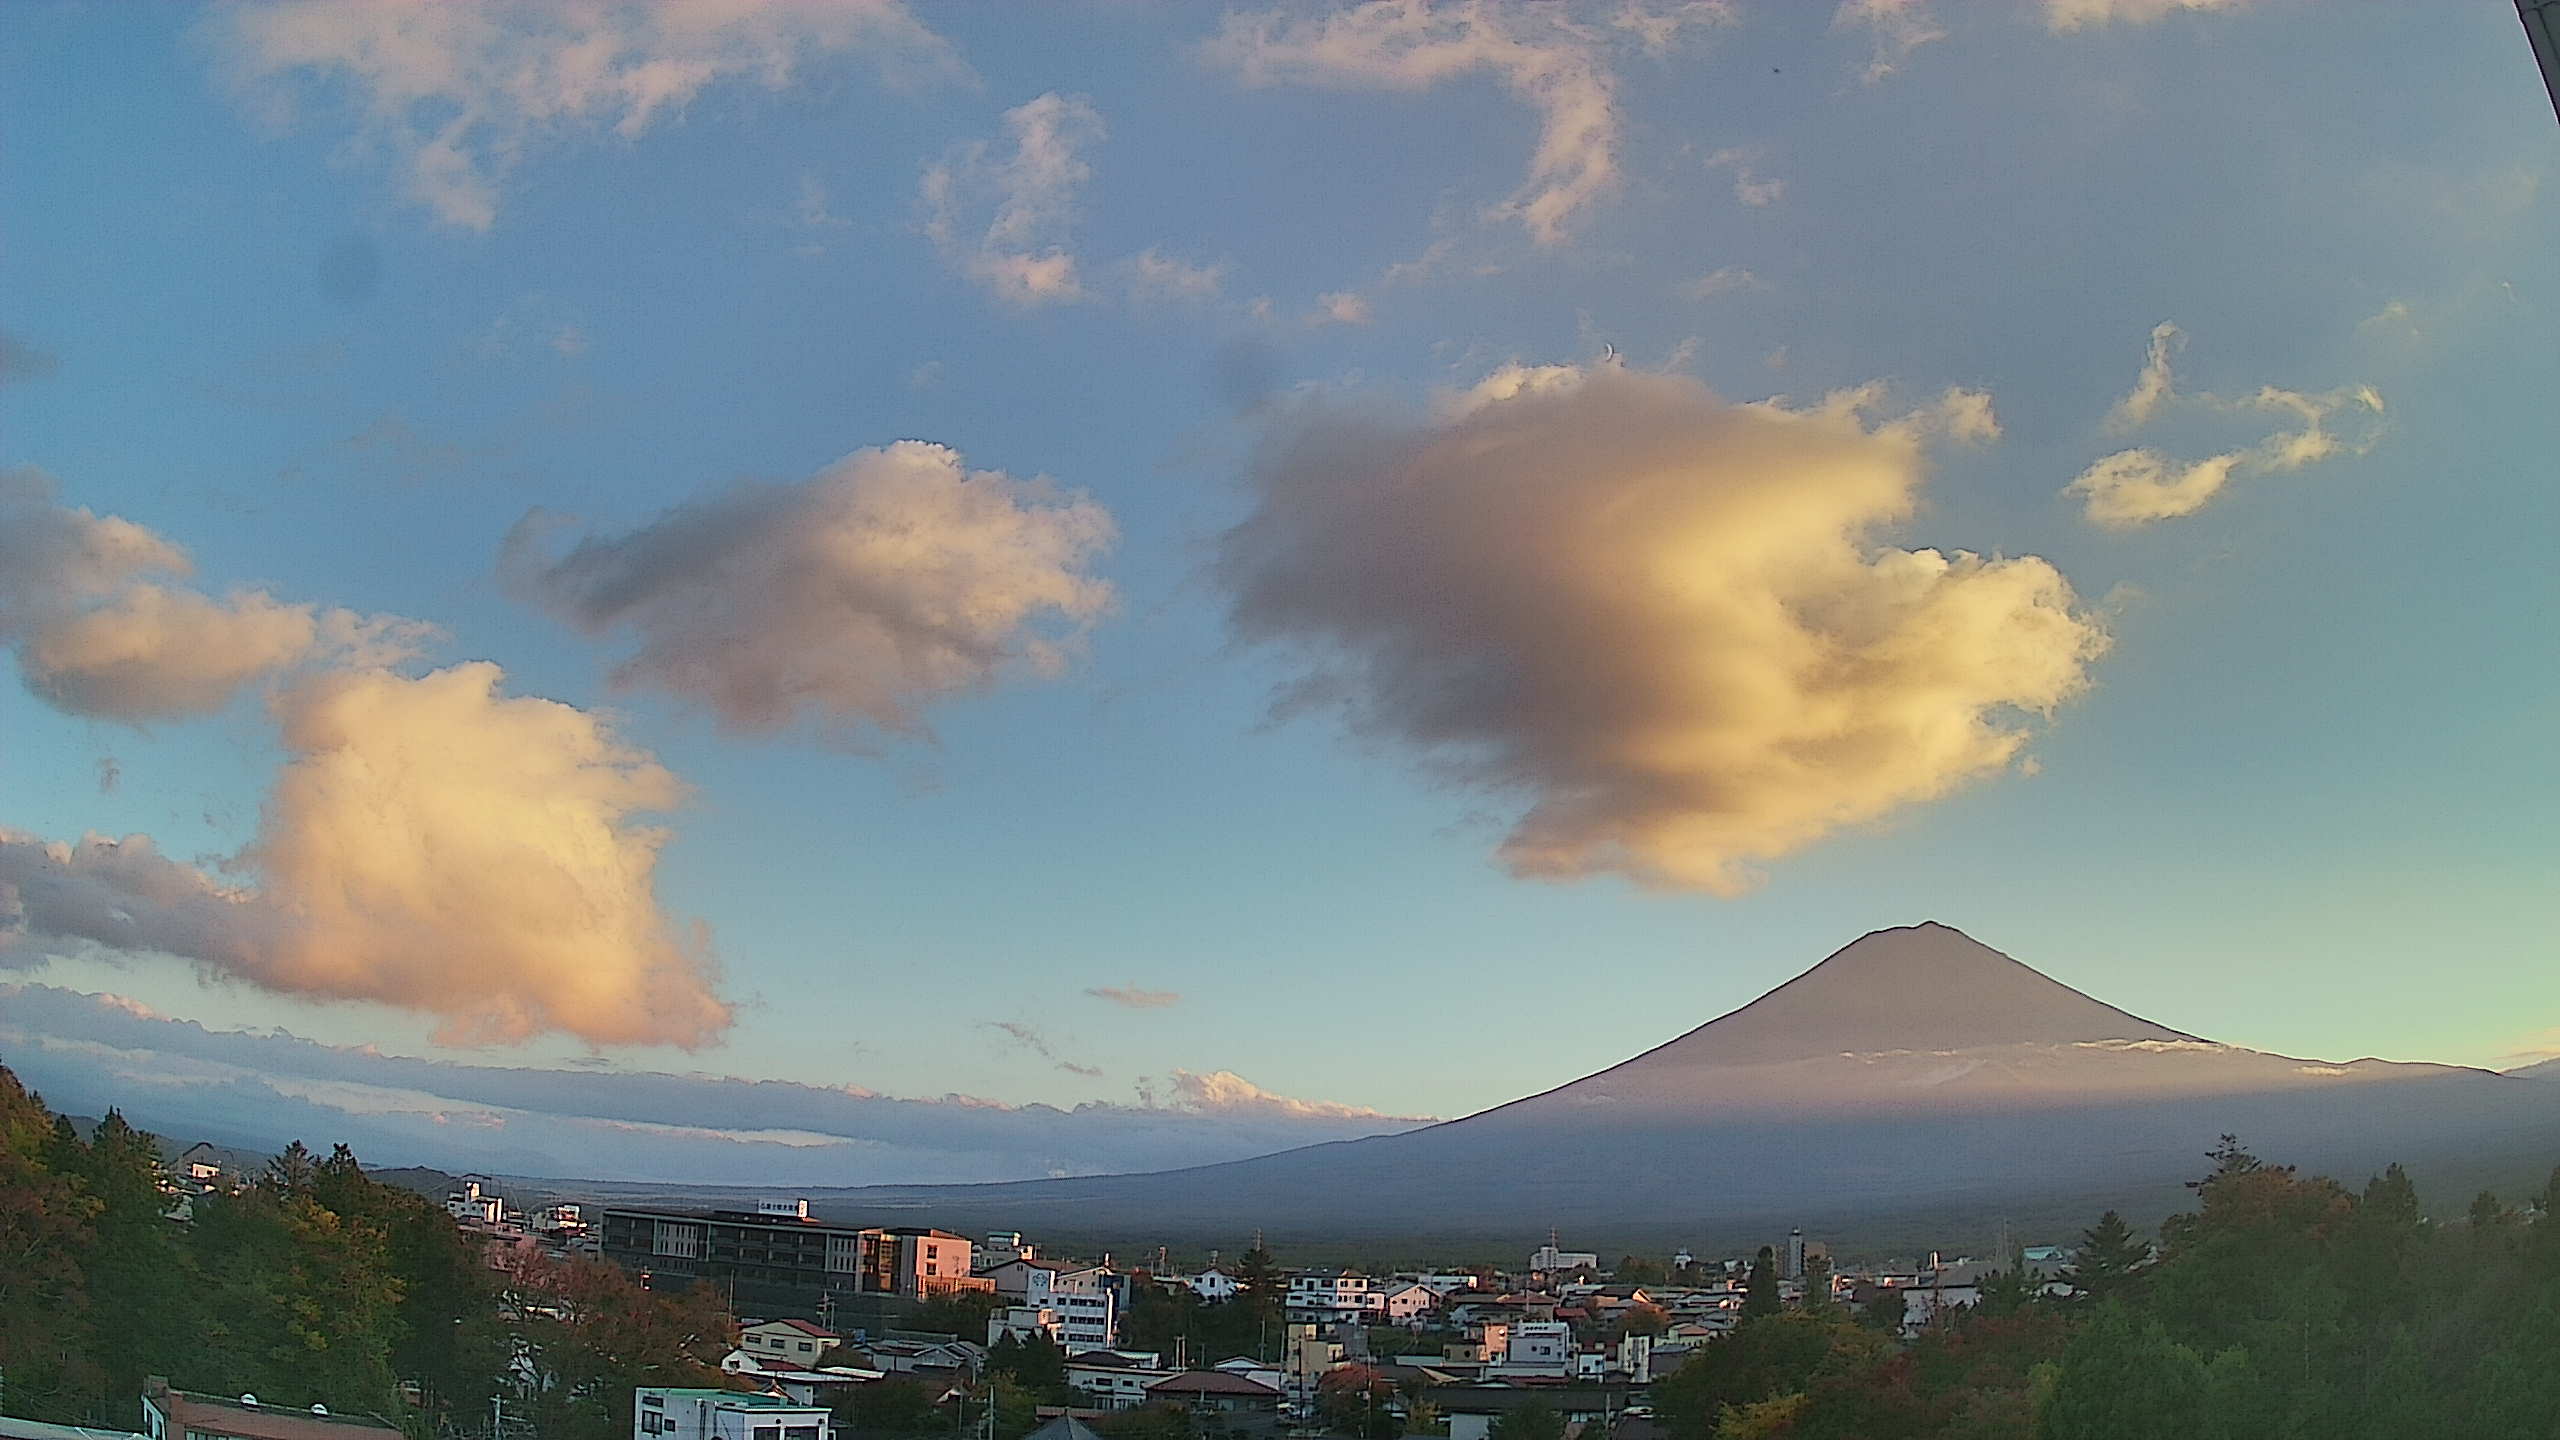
<point x="779" y="1257"/>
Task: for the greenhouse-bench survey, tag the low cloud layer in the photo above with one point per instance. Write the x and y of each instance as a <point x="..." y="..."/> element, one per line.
<point x="97" y="635"/>
<point x="2141" y="486"/>
<point x="87" y="1052"/>
<point x="1003" y="214"/>
<point x="455" y="97"/>
<point x="1672" y="623"/>
<point x="891" y="579"/>
<point x="432" y="844"/>
<point x="1553" y="58"/>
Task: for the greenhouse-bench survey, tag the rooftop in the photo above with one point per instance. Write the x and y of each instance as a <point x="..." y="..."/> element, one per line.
<point x="746" y="1399"/>
<point x="14" y="1429"/>
<point x="252" y="1421"/>
<point x="1212" y="1382"/>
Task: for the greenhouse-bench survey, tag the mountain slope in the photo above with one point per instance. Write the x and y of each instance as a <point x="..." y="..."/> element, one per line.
<point x="1913" y="1071"/>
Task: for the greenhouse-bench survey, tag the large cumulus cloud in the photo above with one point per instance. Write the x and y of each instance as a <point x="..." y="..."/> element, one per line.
<point x="432" y="843"/>
<point x="892" y="578"/>
<point x="1673" y="624"/>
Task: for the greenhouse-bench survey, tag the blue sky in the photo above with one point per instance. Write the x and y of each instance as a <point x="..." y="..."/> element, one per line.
<point x="2301" y="801"/>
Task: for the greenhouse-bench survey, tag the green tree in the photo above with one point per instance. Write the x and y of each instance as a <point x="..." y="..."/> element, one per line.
<point x="449" y="1341"/>
<point x="1772" y="1419"/>
<point x="2125" y="1379"/>
<point x="1635" y="1270"/>
<point x="1766" y="1356"/>
<point x="1263" y="1291"/>
<point x="889" y="1410"/>
<point x="1760" y="1288"/>
<point x="1886" y="1309"/>
<point x="1034" y="1362"/>
<point x="1536" y="1420"/>
<point x="1817" y="1281"/>
<point x="2487" y="1210"/>
<point x="2109" y="1253"/>
<point x="136" y="1270"/>
<point x="45" y="1345"/>
<point x="964" y="1314"/>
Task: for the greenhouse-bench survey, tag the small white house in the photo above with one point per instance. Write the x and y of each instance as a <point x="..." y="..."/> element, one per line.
<point x="795" y="1343"/>
<point x="690" y="1414"/>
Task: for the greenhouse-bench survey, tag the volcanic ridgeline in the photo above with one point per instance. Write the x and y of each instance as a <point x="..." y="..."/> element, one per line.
<point x="1915" y="1075"/>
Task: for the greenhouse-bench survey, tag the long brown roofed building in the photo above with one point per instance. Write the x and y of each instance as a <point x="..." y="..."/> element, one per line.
<point x="184" y="1415"/>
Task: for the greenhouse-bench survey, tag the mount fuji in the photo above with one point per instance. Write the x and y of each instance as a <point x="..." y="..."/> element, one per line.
<point x="1915" y="1078"/>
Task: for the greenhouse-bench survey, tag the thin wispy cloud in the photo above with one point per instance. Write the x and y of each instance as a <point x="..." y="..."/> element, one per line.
<point x="1894" y="29"/>
<point x="1003" y="214"/>
<point x="20" y="361"/>
<point x="1542" y="53"/>
<point x="456" y="98"/>
<point x="2142" y="486"/>
<point x="1029" y="1038"/>
<point x="1134" y="997"/>
<point x="2067" y="15"/>
<point x="1750" y="186"/>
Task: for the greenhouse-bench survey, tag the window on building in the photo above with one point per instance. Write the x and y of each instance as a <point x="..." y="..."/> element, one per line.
<point x="768" y="1432"/>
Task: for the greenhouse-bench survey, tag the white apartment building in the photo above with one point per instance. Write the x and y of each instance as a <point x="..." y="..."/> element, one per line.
<point x="1549" y="1259"/>
<point x="1083" y="1303"/>
<point x="1535" y="1347"/>
<point x="689" y="1414"/>
<point x="474" y="1202"/>
<point x="1324" y="1297"/>
<point x="1115" y="1381"/>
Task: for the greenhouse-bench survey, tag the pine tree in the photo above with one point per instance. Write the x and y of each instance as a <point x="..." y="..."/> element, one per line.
<point x="1760" y="1288"/>
<point x="2109" y="1253"/>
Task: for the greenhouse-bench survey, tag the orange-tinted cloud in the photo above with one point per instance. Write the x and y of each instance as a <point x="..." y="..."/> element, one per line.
<point x="893" y="578"/>
<point x="1672" y="623"/>
<point x="432" y="844"/>
<point x="94" y="636"/>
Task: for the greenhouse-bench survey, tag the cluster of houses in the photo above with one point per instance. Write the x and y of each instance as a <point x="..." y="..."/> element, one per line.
<point x="1480" y="1343"/>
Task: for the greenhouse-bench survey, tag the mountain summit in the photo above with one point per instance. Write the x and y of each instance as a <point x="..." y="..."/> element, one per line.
<point x="1926" y="986"/>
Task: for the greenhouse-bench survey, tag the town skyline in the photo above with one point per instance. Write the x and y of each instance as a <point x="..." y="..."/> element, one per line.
<point x="2080" y="463"/>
